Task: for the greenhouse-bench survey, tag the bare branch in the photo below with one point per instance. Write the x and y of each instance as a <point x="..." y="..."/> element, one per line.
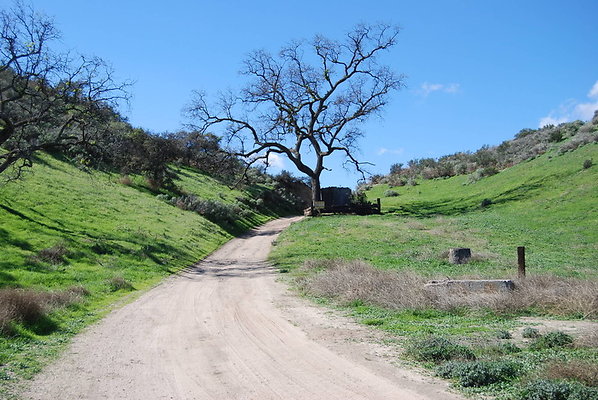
<point x="292" y="106"/>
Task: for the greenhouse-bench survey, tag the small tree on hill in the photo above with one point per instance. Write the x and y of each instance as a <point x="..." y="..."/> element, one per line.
<point x="310" y="98"/>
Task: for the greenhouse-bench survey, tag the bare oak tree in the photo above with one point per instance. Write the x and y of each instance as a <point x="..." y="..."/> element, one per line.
<point x="309" y="99"/>
<point x="48" y="101"/>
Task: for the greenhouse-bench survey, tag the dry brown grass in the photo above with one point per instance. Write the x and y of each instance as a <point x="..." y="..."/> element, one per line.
<point x="29" y="306"/>
<point x="53" y="255"/>
<point x="576" y="370"/>
<point x="125" y="180"/>
<point x="587" y="340"/>
<point x="119" y="283"/>
<point x="348" y="281"/>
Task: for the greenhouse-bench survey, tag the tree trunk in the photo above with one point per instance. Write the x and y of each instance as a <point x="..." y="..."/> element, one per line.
<point x="315" y="190"/>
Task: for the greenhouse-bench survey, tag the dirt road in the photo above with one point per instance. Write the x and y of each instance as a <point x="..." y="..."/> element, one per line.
<point x="226" y="329"/>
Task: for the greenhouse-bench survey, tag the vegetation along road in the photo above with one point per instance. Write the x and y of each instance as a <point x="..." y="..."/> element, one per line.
<point x="226" y="329"/>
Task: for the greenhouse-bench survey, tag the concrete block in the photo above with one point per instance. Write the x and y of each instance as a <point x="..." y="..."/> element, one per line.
<point x="473" y="285"/>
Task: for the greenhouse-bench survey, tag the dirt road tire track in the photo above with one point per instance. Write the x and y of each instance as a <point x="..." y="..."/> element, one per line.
<point x="226" y="329"/>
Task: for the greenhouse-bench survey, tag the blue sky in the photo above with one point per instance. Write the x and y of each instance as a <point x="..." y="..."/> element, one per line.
<point x="477" y="71"/>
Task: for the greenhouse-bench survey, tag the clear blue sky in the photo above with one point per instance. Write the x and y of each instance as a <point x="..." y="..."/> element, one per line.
<point x="477" y="71"/>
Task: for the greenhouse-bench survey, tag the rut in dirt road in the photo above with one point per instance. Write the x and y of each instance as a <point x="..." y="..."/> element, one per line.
<point x="224" y="329"/>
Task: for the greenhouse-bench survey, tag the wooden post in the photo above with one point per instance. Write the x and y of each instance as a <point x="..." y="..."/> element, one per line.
<point x="379" y="205"/>
<point x="521" y="262"/>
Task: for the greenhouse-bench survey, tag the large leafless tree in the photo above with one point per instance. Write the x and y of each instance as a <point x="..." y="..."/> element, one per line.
<point x="307" y="102"/>
<point x="48" y="101"/>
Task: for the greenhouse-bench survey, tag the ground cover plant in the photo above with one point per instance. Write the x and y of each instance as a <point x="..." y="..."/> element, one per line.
<point x="74" y="242"/>
<point x="375" y="268"/>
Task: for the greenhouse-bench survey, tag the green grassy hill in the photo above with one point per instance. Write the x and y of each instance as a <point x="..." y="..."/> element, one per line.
<point x="549" y="205"/>
<point x="99" y="237"/>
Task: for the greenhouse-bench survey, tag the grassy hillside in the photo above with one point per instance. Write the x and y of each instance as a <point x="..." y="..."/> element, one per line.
<point x="547" y="204"/>
<point x="82" y="241"/>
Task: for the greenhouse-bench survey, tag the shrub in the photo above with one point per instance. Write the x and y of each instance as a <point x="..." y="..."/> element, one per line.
<point x="163" y="197"/>
<point x="555" y="136"/>
<point x="125" y="180"/>
<point x="587" y="164"/>
<point x="546" y="390"/>
<point x="412" y="182"/>
<point x="557" y="390"/>
<point x="502" y="334"/>
<point x="53" y="255"/>
<point x="437" y="349"/>
<point x="552" y="340"/>
<point x="485" y="203"/>
<point x="530" y="333"/>
<point x="119" y="283"/>
<point x="390" y="193"/>
<point x="479" y="373"/>
<point x="214" y="210"/>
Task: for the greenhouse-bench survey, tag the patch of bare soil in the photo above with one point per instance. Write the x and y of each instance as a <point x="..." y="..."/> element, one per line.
<point x="227" y="329"/>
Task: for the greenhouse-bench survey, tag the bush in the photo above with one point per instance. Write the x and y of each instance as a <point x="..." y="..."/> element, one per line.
<point x="438" y="349"/>
<point x="119" y="283"/>
<point x="557" y="390"/>
<point x="502" y="334"/>
<point x="53" y="255"/>
<point x="555" y="136"/>
<point x="552" y="340"/>
<point x="485" y="203"/>
<point x="479" y="373"/>
<point x="125" y="180"/>
<point x="587" y="164"/>
<point x="214" y="210"/>
<point x="390" y="193"/>
<point x="530" y="333"/>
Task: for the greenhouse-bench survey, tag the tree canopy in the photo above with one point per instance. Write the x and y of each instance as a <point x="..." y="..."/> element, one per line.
<point x="48" y="100"/>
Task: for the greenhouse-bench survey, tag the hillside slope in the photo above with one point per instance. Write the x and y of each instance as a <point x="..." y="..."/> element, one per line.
<point x="548" y="203"/>
<point x="99" y="237"/>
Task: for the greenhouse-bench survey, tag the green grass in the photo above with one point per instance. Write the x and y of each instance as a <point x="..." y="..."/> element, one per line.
<point x="109" y="230"/>
<point x="549" y="205"/>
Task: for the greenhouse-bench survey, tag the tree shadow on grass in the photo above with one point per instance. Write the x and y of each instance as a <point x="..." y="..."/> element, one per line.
<point x="462" y="205"/>
<point x="6" y="237"/>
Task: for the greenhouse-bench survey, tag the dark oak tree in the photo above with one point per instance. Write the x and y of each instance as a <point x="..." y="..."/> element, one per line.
<point x="307" y="102"/>
<point x="48" y="101"/>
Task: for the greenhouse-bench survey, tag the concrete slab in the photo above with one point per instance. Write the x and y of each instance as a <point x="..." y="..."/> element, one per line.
<point x="473" y="285"/>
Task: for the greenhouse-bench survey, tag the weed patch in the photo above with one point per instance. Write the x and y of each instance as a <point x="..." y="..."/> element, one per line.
<point x="438" y="349"/>
<point x="479" y="373"/>
<point x="119" y="283"/>
<point x="556" y="390"/>
<point x="530" y="333"/>
<point x="31" y="306"/>
<point x="552" y="340"/>
<point x="53" y="255"/>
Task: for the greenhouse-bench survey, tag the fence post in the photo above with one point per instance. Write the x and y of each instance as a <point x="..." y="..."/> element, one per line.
<point x="379" y="205"/>
<point x="521" y="262"/>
